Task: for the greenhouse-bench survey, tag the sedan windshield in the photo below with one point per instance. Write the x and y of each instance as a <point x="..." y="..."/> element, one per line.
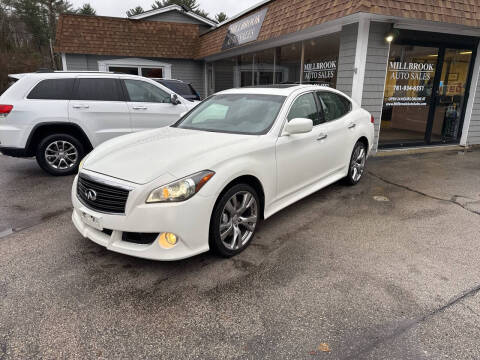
<point x="251" y="114"/>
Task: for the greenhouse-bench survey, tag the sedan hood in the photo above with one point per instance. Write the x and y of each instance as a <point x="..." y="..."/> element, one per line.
<point x="145" y="156"/>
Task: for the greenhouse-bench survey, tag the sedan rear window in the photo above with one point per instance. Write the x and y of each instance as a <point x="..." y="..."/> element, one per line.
<point x="251" y="114"/>
<point x="52" y="89"/>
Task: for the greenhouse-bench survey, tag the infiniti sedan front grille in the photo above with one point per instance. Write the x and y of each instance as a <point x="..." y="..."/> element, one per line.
<point x="101" y="196"/>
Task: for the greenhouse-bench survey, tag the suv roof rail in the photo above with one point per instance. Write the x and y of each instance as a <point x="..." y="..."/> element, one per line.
<point x="84" y="72"/>
<point x="46" y="71"/>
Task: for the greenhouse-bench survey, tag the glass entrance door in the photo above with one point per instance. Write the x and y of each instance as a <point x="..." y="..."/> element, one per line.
<point x="425" y="95"/>
<point x="408" y="94"/>
<point x="450" y="97"/>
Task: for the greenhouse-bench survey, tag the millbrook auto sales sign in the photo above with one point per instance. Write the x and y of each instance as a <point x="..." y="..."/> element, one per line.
<point x="411" y="83"/>
<point x="411" y="71"/>
<point x="245" y="30"/>
<point x="324" y="70"/>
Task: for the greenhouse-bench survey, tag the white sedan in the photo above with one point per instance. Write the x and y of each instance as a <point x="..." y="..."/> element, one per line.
<point x="206" y="182"/>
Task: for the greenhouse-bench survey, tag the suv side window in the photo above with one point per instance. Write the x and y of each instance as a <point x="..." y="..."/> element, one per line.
<point x="305" y="107"/>
<point x="97" y="90"/>
<point x="52" y="89"/>
<point x="334" y="106"/>
<point x="142" y="91"/>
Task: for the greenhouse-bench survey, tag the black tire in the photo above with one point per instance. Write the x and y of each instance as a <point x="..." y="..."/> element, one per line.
<point x="352" y="177"/>
<point x="64" y="169"/>
<point x="216" y="244"/>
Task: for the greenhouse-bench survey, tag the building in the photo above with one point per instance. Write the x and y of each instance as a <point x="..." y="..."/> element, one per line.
<point x="412" y="63"/>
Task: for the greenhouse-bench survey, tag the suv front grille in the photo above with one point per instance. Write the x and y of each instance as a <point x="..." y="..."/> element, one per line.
<point x="101" y="196"/>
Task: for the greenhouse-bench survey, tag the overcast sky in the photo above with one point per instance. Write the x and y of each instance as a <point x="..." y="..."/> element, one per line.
<point x="119" y="7"/>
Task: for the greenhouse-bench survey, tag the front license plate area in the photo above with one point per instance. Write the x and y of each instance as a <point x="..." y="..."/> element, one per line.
<point x="92" y="221"/>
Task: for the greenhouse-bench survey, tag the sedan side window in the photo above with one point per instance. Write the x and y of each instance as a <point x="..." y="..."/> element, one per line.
<point x="141" y="91"/>
<point x="305" y="107"/>
<point x="334" y="106"/>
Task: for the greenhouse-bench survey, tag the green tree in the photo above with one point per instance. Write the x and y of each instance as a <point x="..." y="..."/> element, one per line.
<point x="137" y="11"/>
<point x="189" y="4"/>
<point x="221" y="17"/>
<point x="86" y="9"/>
<point x="36" y="22"/>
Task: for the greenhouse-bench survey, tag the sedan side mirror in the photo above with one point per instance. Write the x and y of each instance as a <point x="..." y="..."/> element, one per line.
<point x="174" y="99"/>
<point x="299" y="126"/>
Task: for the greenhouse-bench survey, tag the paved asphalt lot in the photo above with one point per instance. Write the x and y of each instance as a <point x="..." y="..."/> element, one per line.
<point x="338" y="271"/>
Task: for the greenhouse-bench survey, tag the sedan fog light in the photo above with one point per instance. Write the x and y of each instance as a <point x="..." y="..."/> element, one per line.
<point x="167" y="240"/>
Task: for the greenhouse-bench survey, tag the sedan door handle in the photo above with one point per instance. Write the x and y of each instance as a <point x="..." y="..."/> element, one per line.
<point x="80" y="106"/>
<point x="322" y="137"/>
<point x="140" y="108"/>
<point x="352" y="126"/>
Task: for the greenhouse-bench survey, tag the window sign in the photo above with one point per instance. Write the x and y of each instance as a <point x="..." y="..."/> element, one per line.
<point x="245" y="30"/>
<point x="321" y="60"/>
<point x="316" y="72"/>
<point x="409" y="82"/>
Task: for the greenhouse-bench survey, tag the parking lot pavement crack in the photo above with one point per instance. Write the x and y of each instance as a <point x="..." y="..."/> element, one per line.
<point x="406" y="326"/>
<point x="453" y="200"/>
<point x="31" y="222"/>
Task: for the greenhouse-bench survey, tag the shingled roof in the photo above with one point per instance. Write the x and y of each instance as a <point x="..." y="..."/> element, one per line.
<point x="140" y="38"/>
<point x="289" y="16"/>
<point x="77" y="34"/>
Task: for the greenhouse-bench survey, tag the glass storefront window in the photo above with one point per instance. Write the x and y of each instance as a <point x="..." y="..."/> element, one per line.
<point x="408" y="93"/>
<point x="264" y="67"/>
<point x="451" y="98"/>
<point x="225" y="74"/>
<point x="288" y="64"/>
<point x="281" y="65"/>
<point x="320" y="60"/>
<point x="245" y="69"/>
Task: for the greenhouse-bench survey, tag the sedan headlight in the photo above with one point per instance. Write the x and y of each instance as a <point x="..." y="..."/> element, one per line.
<point x="180" y="190"/>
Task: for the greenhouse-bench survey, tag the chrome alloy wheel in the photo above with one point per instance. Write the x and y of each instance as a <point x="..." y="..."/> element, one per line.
<point x="61" y="155"/>
<point x="357" y="166"/>
<point x="238" y="220"/>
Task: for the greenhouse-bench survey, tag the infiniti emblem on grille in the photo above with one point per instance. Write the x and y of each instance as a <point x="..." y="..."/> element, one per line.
<point x="91" y="194"/>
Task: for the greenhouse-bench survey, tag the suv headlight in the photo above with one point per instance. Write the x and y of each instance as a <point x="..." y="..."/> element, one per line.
<point x="180" y="190"/>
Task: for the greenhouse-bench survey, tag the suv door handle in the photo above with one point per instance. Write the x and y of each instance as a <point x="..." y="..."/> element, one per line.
<point x="322" y="137"/>
<point x="139" y="108"/>
<point x="80" y="106"/>
<point x="352" y="126"/>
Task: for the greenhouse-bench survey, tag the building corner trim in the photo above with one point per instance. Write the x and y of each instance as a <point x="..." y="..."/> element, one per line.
<point x="360" y="58"/>
<point x="471" y="100"/>
<point x="64" y="62"/>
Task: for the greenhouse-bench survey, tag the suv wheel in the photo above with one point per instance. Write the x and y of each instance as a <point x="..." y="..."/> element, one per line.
<point x="356" y="167"/>
<point x="60" y="154"/>
<point x="234" y="220"/>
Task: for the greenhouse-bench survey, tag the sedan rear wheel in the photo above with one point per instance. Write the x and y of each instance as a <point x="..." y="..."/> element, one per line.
<point x="357" y="163"/>
<point x="234" y="220"/>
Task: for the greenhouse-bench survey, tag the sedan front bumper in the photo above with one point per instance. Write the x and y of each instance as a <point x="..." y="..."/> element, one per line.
<point x="188" y="220"/>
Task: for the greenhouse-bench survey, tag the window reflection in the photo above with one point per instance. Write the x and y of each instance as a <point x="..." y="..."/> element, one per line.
<point x="281" y="65"/>
<point x="288" y="64"/>
<point x="321" y="59"/>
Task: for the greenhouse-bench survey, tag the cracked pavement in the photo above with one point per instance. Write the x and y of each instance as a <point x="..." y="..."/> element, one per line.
<point x="390" y="279"/>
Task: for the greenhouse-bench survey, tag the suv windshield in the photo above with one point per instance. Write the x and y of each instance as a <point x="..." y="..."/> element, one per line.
<point x="183" y="89"/>
<point x="251" y="114"/>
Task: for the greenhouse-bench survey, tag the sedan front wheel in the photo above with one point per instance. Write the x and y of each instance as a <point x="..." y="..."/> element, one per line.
<point x="234" y="220"/>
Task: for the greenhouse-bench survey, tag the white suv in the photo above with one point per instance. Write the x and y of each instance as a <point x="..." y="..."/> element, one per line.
<point x="58" y="117"/>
